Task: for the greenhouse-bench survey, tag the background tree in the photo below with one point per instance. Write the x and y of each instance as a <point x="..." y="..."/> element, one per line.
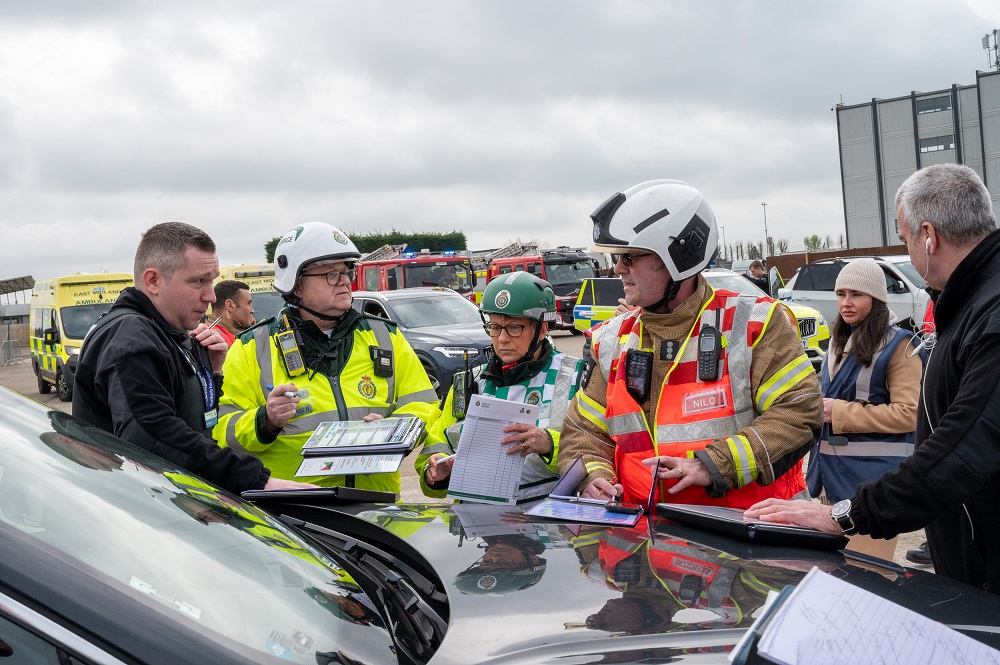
<point x="827" y="242"/>
<point x="812" y="243"/>
<point x="782" y="246"/>
<point x="841" y="241"/>
<point x="414" y="241"/>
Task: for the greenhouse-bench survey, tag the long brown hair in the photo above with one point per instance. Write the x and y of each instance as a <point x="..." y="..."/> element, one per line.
<point x="869" y="335"/>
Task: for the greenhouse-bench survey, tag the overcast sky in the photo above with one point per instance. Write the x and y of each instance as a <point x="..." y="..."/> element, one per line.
<point x="507" y="120"/>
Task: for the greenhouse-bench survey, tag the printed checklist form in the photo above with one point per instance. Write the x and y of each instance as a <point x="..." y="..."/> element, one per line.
<point x="483" y="471"/>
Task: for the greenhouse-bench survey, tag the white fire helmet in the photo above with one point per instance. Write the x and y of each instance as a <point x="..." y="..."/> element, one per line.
<point x="308" y="243"/>
<point x="667" y="217"/>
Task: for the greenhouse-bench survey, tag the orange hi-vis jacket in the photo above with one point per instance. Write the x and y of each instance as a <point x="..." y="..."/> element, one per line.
<point x="690" y="413"/>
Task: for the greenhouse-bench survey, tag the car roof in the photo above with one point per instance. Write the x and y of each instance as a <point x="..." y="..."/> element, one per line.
<point x="414" y="292"/>
<point x="889" y="258"/>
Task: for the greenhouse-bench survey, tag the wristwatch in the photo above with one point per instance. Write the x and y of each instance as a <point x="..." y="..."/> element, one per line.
<point x="841" y="514"/>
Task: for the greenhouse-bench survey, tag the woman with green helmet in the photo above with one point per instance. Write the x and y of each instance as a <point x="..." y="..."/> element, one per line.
<point x="523" y="367"/>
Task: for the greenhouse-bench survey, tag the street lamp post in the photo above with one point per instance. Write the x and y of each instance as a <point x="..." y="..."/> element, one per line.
<point x="766" y="235"/>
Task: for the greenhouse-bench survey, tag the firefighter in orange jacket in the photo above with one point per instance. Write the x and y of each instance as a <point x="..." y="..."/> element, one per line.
<point x="708" y="391"/>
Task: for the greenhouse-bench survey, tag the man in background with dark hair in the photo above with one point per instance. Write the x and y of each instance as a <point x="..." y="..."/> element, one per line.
<point x="758" y="277"/>
<point x="150" y="371"/>
<point x="233" y="308"/>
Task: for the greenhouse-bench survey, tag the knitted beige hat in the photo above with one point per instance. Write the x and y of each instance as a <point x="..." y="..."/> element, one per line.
<point x="864" y="276"/>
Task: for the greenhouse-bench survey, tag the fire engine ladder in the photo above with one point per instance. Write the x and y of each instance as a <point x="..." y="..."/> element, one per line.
<point x="513" y="249"/>
<point x="384" y="252"/>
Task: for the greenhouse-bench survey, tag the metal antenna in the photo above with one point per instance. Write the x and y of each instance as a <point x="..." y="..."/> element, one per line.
<point x="992" y="60"/>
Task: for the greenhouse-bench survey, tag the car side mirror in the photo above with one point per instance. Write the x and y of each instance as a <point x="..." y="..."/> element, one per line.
<point x="50" y="336"/>
<point x="784" y="294"/>
<point x="899" y="287"/>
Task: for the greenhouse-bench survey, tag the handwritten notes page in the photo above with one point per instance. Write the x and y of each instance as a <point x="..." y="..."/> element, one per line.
<point x="827" y="621"/>
<point x="483" y="470"/>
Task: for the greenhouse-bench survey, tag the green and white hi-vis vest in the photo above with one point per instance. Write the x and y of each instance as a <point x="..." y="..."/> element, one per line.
<point x="551" y="390"/>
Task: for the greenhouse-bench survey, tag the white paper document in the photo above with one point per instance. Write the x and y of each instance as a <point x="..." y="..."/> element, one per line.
<point x="340" y="465"/>
<point x="483" y="471"/>
<point x="827" y="621"/>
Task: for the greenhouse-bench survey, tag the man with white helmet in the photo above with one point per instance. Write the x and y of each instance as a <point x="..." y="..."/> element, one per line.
<point x="709" y="387"/>
<point x="318" y="361"/>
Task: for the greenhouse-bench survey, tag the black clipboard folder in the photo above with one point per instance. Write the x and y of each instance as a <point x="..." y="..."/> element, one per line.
<point x="320" y="496"/>
<point x="730" y="521"/>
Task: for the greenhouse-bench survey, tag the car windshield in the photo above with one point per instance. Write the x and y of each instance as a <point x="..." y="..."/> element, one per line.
<point x="77" y="320"/>
<point x="438" y="309"/>
<point x="455" y="276"/>
<point x="267" y="304"/>
<point x="568" y="273"/>
<point x="735" y="283"/>
<point x="910" y="273"/>
<point x="153" y="535"/>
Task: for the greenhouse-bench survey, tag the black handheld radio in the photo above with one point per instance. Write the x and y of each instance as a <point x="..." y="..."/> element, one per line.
<point x="709" y="350"/>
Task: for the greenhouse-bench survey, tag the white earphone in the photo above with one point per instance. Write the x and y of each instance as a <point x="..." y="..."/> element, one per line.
<point x="927" y="246"/>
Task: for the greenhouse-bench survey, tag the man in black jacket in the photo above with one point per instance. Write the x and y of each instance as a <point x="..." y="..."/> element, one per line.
<point x="951" y="483"/>
<point x="143" y="377"/>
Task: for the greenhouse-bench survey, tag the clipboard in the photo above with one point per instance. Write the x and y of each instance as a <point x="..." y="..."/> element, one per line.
<point x="730" y="521"/>
<point x="320" y="496"/>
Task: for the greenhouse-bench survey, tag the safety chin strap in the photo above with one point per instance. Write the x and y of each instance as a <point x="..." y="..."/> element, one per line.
<point x="295" y="302"/>
<point x="660" y="306"/>
<point x="530" y="353"/>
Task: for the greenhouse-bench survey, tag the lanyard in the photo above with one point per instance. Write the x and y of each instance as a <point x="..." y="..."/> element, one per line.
<point x="202" y="372"/>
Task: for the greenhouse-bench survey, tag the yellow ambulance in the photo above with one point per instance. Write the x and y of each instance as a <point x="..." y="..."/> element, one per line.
<point x="260" y="278"/>
<point x="62" y="311"/>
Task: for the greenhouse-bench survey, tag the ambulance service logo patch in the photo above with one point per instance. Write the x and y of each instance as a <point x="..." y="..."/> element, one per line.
<point x="486" y="582"/>
<point x="340" y="237"/>
<point x="534" y="397"/>
<point x="502" y="299"/>
<point x="366" y="387"/>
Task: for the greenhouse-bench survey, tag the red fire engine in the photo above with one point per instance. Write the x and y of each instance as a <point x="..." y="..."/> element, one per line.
<point x="391" y="267"/>
<point x="564" y="268"/>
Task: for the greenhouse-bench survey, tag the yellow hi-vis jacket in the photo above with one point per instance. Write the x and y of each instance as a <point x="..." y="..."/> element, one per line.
<point x="255" y="362"/>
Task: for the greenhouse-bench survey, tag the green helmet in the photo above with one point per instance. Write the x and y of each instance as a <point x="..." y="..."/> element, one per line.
<point x="520" y="294"/>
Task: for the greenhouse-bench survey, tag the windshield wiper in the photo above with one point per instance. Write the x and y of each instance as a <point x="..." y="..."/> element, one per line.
<point x="399" y="586"/>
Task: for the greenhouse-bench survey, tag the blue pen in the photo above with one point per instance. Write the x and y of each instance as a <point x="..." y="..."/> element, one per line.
<point x="287" y="394"/>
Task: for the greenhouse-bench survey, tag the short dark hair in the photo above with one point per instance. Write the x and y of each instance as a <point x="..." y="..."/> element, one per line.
<point x="756" y="264"/>
<point x="163" y="247"/>
<point x="227" y="289"/>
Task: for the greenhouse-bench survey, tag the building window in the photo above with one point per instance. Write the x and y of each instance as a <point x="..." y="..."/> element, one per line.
<point x="934" y="104"/>
<point x="936" y="143"/>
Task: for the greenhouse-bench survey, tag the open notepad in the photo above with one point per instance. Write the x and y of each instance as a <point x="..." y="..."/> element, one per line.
<point x="827" y="621"/>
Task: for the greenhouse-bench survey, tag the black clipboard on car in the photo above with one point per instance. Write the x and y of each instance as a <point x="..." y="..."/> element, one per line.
<point x="320" y="495"/>
<point x="730" y="521"/>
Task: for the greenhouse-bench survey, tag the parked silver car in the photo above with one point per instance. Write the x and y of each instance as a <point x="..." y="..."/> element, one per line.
<point x="814" y="285"/>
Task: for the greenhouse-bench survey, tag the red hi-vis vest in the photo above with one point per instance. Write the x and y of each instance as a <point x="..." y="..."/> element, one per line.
<point x="690" y="414"/>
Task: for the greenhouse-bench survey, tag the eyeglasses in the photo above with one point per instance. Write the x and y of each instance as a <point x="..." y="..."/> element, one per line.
<point x="513" y="329"/>
<point x="627" y="259"/>
<point x="333" y="276"/>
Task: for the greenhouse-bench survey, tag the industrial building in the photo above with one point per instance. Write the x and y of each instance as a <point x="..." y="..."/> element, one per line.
<point x="883" y="141"/>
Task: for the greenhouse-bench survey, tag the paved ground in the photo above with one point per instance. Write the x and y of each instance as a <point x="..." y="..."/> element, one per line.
<point x="19" y="377"/>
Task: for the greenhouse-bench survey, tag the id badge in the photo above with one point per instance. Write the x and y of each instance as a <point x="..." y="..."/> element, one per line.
<point x="211" y="418"/>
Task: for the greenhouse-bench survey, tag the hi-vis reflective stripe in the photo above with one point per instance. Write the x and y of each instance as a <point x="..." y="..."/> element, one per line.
<point x="262" y="344"/>
<point x="783" y="380"/>
<point x="716" y="428"/>
<point x="627" y="423"/>
<point x="231" y="439"/>
<point x="744" y="461"/>
<point x="868" y="449"/>
<point x="592" y="411"/>
<point x="599" y="465"/>
<point x="423" y="396"/>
